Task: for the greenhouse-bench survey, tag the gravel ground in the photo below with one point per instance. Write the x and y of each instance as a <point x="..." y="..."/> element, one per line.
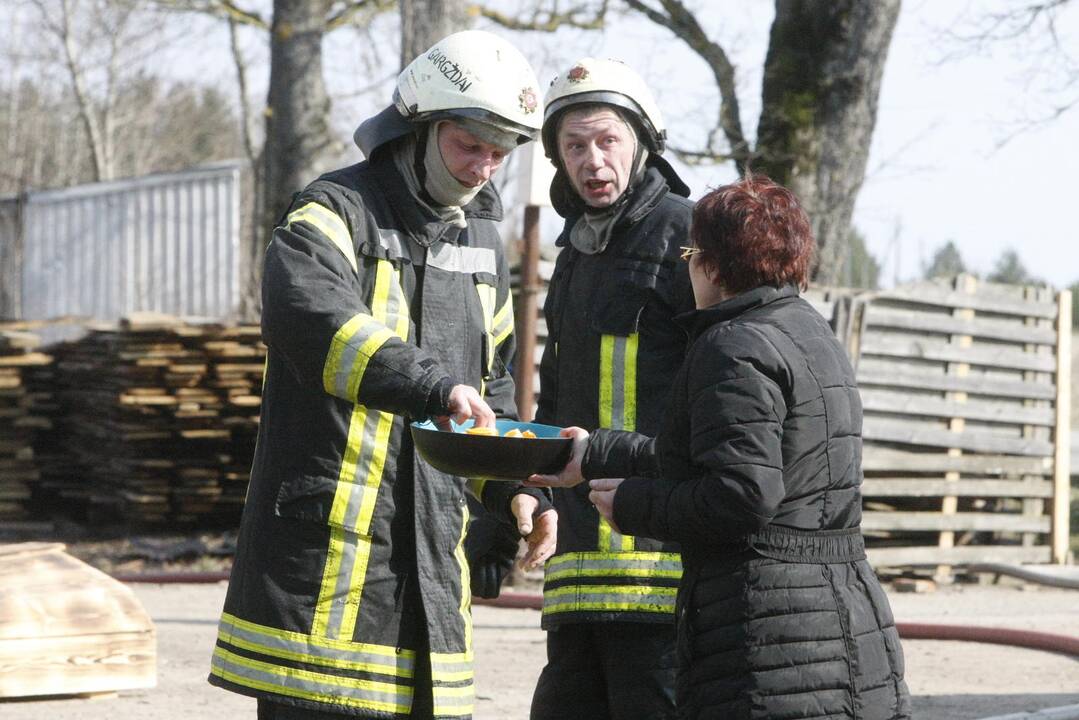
<point x="950" y="680"/>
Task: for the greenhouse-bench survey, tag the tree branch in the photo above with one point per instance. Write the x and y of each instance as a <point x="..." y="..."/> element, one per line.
<point x="226" y="9"/>
<point x="550" y="21"/>
<point x="684" y="25"/>
<point x="345" y="16"/>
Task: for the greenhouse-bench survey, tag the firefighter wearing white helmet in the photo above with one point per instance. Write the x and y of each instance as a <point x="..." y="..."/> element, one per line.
<point x="386" y="299"/>
<point x="611" y="355"/>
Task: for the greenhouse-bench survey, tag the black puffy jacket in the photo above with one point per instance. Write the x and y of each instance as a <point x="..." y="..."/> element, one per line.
<point x="780" y="615"/>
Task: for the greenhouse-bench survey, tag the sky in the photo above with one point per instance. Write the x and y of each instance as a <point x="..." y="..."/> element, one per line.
<point x="941" y="165"/>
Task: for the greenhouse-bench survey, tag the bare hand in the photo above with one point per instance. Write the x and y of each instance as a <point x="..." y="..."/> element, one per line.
<point x="602" y="497"/>
<point x="571" y="474"/>
<point x="464" y="403"/>
<point x="540" y="536"/>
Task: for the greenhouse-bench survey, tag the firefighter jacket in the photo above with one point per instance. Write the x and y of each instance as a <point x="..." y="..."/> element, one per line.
<point x="350" y="580"/>
<point x="611" y="354"/>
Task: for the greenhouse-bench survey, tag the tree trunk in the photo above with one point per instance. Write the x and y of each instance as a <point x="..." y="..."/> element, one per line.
<point x="822" y="79"/>
<point x="299" y="140"/>
<point x="425" y="22"/>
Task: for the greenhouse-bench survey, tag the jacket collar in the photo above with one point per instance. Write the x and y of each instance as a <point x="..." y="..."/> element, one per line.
<point x="417" y="219"/>
<point x="697" y="321"/>
<point x="651" y="187"/>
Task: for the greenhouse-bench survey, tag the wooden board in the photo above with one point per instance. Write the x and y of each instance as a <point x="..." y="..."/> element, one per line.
<point x="66" y="628"/>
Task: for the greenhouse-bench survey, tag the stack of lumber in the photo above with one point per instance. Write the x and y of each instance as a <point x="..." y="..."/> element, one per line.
<point x="22" y="417"/>
<point x="68" y="629"/>
<point x="159" y="418"/>
<point x="966" y="392"/>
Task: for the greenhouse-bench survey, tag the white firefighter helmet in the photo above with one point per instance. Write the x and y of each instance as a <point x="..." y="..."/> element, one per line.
<point x="610" y="82"/>
<point x="472" y="74"/>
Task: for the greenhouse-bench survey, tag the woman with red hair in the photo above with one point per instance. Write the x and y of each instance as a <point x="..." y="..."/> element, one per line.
<point x="757" y="474"/>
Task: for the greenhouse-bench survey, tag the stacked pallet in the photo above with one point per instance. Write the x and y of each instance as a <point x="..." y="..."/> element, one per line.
<point x="159" y="418"/>
<point x="22" y="417"/>
<point x="966" y="392"/>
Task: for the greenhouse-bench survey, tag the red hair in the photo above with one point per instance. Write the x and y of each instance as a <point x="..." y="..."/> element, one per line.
<point x="753" y="232"/>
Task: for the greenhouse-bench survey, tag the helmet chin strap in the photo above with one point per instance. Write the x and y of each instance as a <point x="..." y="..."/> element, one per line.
<point x="439" y="182"/>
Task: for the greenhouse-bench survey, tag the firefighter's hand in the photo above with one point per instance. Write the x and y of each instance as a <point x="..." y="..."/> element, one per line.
<point x="464" y="403"/>
<point x="571" y="474"/>
<point x="491" y="547"/>
<point x="540" y="533"/>
<point x="602" y="498"/>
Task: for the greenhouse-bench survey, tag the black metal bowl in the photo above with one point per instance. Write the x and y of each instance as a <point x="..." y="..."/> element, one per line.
<point x="491" y="457"/>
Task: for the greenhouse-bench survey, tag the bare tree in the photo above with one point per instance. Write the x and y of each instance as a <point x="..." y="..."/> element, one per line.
<point x="425" y="22"/>
<point x="821" y="83"/>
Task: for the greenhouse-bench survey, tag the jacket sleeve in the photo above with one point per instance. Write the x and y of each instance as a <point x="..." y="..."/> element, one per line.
<point x="499" y="390"/>
<point x="315" y="316"/>
<point x="736" y="412"/>
<point x="619" y="454"/>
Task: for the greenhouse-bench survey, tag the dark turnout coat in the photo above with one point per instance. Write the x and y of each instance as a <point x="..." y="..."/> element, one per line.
<point x="349" y="593"/>
<point x="756" y="473"/>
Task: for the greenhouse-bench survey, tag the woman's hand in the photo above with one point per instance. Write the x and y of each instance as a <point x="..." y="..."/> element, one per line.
<point x="540" y="536"/>
<point x="602" y="498"/>
<point x="571" y="474"/>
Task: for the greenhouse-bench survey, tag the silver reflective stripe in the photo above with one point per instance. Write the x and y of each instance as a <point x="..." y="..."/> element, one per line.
<point x="468" y="260"/>
<point x="310" y="685"/>
<point x="618" y="385"/>
<point x="294" y="646"/>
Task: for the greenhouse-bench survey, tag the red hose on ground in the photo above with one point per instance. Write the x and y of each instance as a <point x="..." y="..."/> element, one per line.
<point x="1049" y="642"/>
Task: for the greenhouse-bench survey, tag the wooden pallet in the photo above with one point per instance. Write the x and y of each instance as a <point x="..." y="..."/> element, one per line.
<point x="68" y="629"/>
<point x="965" y="388"/>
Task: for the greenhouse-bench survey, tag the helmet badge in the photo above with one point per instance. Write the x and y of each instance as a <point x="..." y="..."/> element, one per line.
<point x="527" y="100"/>
<point x="579" y="73"/>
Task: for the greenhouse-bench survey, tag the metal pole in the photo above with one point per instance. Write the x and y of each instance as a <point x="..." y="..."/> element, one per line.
<point x="524" y="364"/>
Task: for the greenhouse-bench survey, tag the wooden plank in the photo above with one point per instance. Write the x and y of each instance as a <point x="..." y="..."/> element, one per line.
<point x="875" y="343"/>
<point x="882" y="459"/>
<point x="941" y="522"/>
<point x="965" y="487"/>
<point x="73" y="665"/>
<point x="1062" y="455"/>
<point x="907" y="404"/>
<point x="932" y="556"/>
<point x="899" y="432"/>
<point x="897" y="375"/>
<point x="957" y="325"/>
<point x="937" y="295"/>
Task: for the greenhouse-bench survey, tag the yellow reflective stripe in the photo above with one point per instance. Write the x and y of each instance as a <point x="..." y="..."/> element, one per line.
<point x="606" y="356"/>
<point x="578" y="598"/>
<point x="362" y="467"/>
<point x="388" y="301"/>
<point x="487" y="303"/>
<point x="310" y="685"/>
<point x="613" y="565"/>
<point x="292" y="645"/>
<point x="617" y="410"/>
<point x="329" y="224"/>
<point x="465" y="608"/>
<point x="502" y="324"/>
<point x="351" y="349"/>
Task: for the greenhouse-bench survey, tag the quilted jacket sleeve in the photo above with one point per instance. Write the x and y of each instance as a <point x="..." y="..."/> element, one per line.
<point x="736" y="409"/>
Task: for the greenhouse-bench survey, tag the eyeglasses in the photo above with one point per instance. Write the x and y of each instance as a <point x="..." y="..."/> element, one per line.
<point x="688" y="252"/>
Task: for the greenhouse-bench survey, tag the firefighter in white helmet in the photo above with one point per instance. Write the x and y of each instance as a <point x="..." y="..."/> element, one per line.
<point x="610" y="358"/>
<point x="385" y="299"/>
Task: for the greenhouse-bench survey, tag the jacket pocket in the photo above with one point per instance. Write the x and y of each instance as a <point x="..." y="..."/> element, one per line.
<point x="307" y="497"/>
<point x="620" y="303"/>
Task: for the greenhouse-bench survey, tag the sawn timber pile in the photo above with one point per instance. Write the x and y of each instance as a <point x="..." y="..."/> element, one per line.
<point x="156" y="421"/>
<point x="23" y="415"/>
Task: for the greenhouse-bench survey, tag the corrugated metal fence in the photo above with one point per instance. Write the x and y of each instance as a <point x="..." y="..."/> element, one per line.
<point x="168" y="243"/>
